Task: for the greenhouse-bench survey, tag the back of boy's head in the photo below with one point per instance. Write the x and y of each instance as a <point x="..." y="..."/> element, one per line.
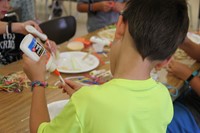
<point x="157" y="27"/>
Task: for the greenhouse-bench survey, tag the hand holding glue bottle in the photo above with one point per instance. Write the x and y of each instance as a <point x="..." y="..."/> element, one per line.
<point x="34" y="50"/>
<point x="43" y="37"/>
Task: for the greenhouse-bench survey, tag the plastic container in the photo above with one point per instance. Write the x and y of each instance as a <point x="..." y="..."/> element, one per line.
<point x="98" y="47"/>
<point x="102" y="41"/>
<point x="34" y="50"/>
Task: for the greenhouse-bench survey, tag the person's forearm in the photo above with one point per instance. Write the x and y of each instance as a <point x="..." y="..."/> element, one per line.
<point x="39" y="112"/>
<point x="15" y="27"/>
<point x="192" y="49"/>
<point x="3" y="27"/>
<point x="195" y="84"/>
<point x="83" y="7"/>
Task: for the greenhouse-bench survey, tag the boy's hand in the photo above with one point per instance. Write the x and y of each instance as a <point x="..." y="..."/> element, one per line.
<point x="70" y="87"/>
<point x="52" y="47"/>
<point x="35" y="70"/>
<point x="180" y="70"/>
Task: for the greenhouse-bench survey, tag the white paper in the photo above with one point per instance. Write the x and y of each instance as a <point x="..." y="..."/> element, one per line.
<point x="56" y="107"/>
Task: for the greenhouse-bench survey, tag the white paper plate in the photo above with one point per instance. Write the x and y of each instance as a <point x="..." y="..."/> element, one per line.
<point x="72" y="62"/>
<point x="56" y="107"/>
<point x="76" y="46"/>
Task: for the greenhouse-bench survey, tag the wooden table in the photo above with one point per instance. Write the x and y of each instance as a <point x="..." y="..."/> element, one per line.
<point x="15" y="107"/>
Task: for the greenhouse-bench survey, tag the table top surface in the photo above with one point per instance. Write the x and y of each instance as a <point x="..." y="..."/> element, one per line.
<point x="15" y="107"/>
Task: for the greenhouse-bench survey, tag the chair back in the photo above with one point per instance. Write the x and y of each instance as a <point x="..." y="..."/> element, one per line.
<point x="60" y="29"/>
<point x="11" y="16"/>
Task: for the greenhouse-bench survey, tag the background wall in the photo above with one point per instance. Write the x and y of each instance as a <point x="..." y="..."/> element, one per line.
<point x="193" y="10"/>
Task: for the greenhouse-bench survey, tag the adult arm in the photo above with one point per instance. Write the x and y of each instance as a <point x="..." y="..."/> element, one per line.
<point x="182" y="71"/>
<point x="104" y="6"/>
<point x="18" y="27"/>
<point x="191" y="48"/>
<point x="118" y="6"/>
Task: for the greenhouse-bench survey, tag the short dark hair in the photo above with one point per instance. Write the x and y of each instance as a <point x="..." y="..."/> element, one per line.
<point x="157" y="27"/>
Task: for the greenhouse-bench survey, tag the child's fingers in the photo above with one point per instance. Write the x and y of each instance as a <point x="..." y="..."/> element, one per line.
<point x="68" y="89"/>
<point x="73" y="85"/>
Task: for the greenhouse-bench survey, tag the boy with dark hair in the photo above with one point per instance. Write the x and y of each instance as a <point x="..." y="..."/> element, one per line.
<point x="148" y="32"/>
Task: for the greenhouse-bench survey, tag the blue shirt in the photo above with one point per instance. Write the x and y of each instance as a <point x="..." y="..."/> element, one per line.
<point x="97" y="20"/>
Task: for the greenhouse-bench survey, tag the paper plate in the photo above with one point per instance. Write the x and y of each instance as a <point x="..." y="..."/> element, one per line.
<point x="72" y="62"/>
<point x="75" y="45"/>
<point x="56" y="107"/>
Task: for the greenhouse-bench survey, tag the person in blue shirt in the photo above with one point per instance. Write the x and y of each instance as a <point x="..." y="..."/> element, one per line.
<point x="187" y="107"/>
<point x="100" y="13"/>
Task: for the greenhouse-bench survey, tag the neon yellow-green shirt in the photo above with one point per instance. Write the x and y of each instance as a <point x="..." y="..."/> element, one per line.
<point x="118" y="106"/>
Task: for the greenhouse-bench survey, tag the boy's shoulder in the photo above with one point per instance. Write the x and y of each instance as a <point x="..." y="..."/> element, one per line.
<point x="116" y="87"/>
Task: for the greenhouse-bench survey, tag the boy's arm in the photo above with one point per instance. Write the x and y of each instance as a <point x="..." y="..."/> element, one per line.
<point x="39" y="112"/>
<point x="192" y="49"/>
<point x="35" y="71"/>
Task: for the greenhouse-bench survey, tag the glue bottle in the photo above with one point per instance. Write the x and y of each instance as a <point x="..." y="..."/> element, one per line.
<point x="43" y="37"/>
<point x="34" y="50"/>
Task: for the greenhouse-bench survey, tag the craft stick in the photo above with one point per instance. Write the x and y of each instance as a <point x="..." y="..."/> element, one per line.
<point x="89" y="52"/>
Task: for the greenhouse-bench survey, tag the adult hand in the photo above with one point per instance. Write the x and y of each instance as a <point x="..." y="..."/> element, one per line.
<point x="105" y="6"/>
<point x="180" y="70"/>
<point x="70" y="87"/>
<point x="35" y="70"/>
<point x="118" y="6"/>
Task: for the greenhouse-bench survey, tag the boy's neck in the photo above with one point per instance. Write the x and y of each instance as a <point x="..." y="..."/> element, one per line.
<point x="135" y="70"/>
<point x="130" y="64"/>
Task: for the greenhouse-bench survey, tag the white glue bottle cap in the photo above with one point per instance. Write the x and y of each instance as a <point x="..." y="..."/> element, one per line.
<point x="33" y="31"/>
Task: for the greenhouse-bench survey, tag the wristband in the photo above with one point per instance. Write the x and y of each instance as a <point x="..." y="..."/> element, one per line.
<point x="38" y="83"/>
<point x="90" y="9"/>
<point x="195" y="73"/>
<point x="9" y="27"/>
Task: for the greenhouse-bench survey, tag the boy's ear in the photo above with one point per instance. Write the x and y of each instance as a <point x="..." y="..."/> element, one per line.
<point x="120" y="28"/>
<point x="163" y="63"/>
